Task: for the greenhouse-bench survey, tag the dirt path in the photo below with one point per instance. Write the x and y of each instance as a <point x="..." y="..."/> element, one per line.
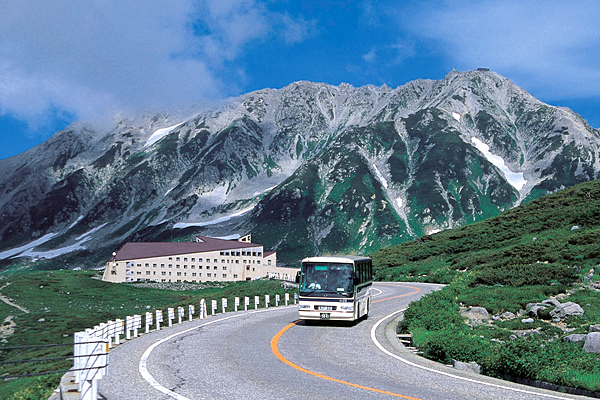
<point x="10" y="303"/>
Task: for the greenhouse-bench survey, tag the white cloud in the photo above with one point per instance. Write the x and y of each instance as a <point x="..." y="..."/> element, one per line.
<point x="551" y="47"/>
<point x="96" y="58"/>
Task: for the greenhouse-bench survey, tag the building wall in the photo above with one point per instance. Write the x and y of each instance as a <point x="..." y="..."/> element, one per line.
<point x="228" y="265"/>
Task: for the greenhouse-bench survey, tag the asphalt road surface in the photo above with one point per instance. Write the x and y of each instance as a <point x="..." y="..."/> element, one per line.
<point x="270" y="354"/>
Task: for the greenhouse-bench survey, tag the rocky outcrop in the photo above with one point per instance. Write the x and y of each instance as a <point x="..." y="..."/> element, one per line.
<point x="592" y="343"/>
<point x="575" y="337"/>
<point x="567" y="309"/>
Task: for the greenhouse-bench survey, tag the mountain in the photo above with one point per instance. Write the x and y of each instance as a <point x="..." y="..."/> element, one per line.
<point x="308" y="169"/>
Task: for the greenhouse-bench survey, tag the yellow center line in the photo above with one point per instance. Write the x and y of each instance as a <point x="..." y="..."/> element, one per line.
<point x="275" y="350"/>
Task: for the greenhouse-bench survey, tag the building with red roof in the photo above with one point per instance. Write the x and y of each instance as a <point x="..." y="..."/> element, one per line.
<point x="204" y="260"/>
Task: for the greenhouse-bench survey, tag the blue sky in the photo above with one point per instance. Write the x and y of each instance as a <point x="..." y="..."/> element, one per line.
<point x="70" y="60"/>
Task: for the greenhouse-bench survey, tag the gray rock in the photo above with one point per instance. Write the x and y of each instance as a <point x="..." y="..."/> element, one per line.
<point x="595" y="328"/>
<point x="556" y="319"/>
<point x="567" y="309"/>
<point x="575" y="337"/>
<point x="508" y="315"/>
<point x="527" y="320"/>
<point x="463" y="366"/>
<point x="576" y="227"/>
<point x="534" y="310"/>
<point x="552" y="302"/>
<point x="592" y="343"/>
<point x="513" y="337"/>
<point x="478" y="313"/>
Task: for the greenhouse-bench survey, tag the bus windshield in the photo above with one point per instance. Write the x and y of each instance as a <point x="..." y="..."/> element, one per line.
<point x="321" y="278"/>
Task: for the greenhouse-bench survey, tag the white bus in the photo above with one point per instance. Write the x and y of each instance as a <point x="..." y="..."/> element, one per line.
<point x="335" y="288"/>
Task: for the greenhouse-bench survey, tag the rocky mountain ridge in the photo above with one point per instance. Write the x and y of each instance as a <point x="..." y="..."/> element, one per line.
<point x="308" y="169"/>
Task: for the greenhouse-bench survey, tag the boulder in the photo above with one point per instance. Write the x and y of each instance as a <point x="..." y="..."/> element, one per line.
<point x="567" y="309"/>
<point x="592" y="343"/>
<point x="527" y="320"/>
<point x="575" y="337"/>
<point x="552" y="302"/>
<point x="536" y="310"/>
<point x="595" y="328"/>
<point x="463" y="366"/>
<point x="475" y="315"/>
<point x="507" y="315"/>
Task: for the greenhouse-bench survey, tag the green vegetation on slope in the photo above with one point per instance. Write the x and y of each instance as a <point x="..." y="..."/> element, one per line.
<point x="63" y="302"/>
<point x="548" y="247"/>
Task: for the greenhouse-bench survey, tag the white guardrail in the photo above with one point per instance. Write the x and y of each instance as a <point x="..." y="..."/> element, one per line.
<point x="91" y="347"/>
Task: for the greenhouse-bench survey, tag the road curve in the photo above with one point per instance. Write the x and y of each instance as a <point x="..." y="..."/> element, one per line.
<point x="269" y="354"/>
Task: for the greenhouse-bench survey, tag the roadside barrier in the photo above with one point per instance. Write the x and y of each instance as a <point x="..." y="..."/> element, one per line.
<point x="91" y="346"/>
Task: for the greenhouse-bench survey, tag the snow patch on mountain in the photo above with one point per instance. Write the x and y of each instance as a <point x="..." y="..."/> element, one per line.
<point x="515" y="179"/>
<point x="182" y="225"/>
<point x="18" y="250"/>
<point x="159" y="134"/>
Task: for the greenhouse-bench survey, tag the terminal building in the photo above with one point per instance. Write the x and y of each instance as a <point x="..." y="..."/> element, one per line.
<point x="204" y="260"/>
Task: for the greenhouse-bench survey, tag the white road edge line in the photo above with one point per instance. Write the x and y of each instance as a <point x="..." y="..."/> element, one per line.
<point x="379" y="290"/>
<point x="144" y="359"/>
<point x="378" y="344"/>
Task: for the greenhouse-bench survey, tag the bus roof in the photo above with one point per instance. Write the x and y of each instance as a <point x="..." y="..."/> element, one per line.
<point x="336" y="259"/>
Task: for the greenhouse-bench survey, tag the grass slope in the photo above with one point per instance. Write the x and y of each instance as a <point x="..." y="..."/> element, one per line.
<point x="548" y="247"/>
<point x="63" y="302"/>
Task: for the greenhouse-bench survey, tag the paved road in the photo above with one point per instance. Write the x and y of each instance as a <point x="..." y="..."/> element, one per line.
<point x="268" y="354"/>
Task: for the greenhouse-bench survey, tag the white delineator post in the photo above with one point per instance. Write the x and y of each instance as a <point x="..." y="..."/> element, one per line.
<point x="246" y="303"/>
<point x="223" y="305"/>
<point x="148" y="321"/>
<point x="159" y="319"/>
<point x="202" y="311"/>
<point x="287" y="299"/>
<point x="170" y="316"/>
<point x="128" y="327"/>
<point x="92" y="361"/>
<point x="137" y="324"/>
<point x="191" y="311"/>
<point x="180" y="313"/>
<point x="256" y="302"/>
<point x="267" y="301"/>
<point x="214" y="306"/>
<point x="277" y="298"/>
<point x="236" y="303"/>
<point x="295" y="297"/>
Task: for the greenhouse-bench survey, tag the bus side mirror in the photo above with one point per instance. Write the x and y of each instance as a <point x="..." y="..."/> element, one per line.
<point x="298" y="277"/>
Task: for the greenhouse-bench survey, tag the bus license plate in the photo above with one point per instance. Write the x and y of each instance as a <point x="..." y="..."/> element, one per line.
<point x="325" y="308"/>
<point x="324" y="315"/>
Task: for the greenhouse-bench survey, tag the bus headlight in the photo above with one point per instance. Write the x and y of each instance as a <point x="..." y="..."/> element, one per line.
<point x="304" y="307"/>
<point x="347" y="308"/>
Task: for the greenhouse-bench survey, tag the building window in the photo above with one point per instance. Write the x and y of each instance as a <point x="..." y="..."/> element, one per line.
<point x="209" y="274"/>
<point x="139" y="265"/>
<point x="163" y="273"/>
<point x="235" y="276"/>
<point x="178" y="273"/>
<point x="199" y="273"/>
<point x="147" y="272"/>
<point x="237" y="261"/>
<point x="269" y="262"/>
<point x="139" y="272"/>
<point x="215" y="267"/>
<point x="222" y="261"/>
<point x="225" y="268"/>
<point x="247" y="268"/>
<point x="170" y="265"/>
<point x="199" y="266"/>
<point x="169" y="274"/>
<point x="193" y="267"/>
<point x="258" y="261"/>
<point x="224" y="275"/>
<point x="185" y="267"/>
<point x="216" y="261"/>
<point x="184" y="258"/>
<point x="153" y="265"/>
<point x="147" y="265"/>
<point x="193" y="274"/>
<point x="162" y="265"/>
<point x="170" y="258"/>
<point x="199" y="260"/>
<point x="177" y="259"/>
<point x="177" y="266"/>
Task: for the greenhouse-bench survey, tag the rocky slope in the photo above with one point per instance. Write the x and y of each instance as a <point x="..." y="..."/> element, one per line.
<point x="308" y="169"/>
